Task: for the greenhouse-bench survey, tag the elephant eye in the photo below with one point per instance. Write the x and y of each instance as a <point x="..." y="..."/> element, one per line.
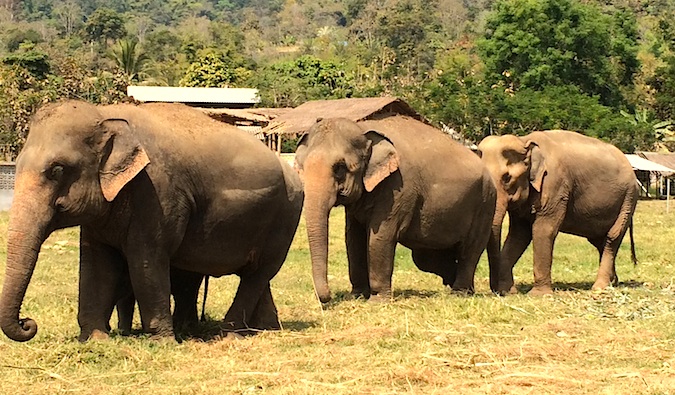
<point x="55" y="173"/>
<point x="340" y="171"/>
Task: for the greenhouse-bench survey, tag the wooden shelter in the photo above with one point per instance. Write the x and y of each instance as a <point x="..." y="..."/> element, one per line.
<point x="300" y="119"/>
<point x="252" y="120"/>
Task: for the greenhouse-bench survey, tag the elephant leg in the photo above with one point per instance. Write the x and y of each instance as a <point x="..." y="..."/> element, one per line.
<point x="185" y="289"/>
<point x="607" y="270"/>
<point x="439" y="262"/>
<point x="150" y="278"/>
<point x="599" y="244"/>
<point x="356" y="238"/>
<point x="125" y="313"/>
<point x="101" y="273"/>
<point x="544" y="232"/>
<point x="265" y="315"/>
<point x="381" y="251"/>
<point x="517" y="240"/>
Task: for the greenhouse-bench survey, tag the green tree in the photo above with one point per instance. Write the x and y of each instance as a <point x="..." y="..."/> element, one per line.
<point x="130" y="58"/>
<point x="215" y="69"/>
<point x="536" y="43"/>
<point x="290" y="83"/>
<point x="103" y="25"/>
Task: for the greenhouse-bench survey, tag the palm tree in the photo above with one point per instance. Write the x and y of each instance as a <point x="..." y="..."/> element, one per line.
<point x="130" y="58"/>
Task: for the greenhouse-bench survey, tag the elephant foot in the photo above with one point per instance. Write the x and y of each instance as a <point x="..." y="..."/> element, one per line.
<point x="540" y="290"/>
<point x="507" y="291"/>
<point x="599" y="285"/>
<point x="460" y="291"/>
<point x="380" y="298"/>
<point x="357" y="294"/>
<point x="96" y="334"/>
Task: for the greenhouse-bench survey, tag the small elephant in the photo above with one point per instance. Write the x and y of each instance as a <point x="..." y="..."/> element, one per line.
<point x="399" y="180"/>
<point x="152" y="186"/>
<point x="558" y="181"/>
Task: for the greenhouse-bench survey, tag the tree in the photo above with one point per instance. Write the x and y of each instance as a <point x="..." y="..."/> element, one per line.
<point x="103" y="25"/>
<point x="130" y="58"/>
<point x="215" y="69"/>
<point x="536" y="43"/>
<point x="290" y="83"/>
<point x="69" y="16"/>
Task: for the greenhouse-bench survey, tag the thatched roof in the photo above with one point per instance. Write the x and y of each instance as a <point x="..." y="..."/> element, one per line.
<point x="252" y="115"/>
<point x="667" y="160"/>
<point x="301" y="118"/>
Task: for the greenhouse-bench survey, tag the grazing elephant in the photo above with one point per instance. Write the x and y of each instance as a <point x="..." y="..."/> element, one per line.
<point x="153" y="186"/>
<point x="399" y="180"/>
<point x="558" y="181"/>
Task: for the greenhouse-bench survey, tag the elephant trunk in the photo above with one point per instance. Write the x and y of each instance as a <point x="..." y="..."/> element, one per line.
<point x="494" y="245"/>
<point x="320" y="196"/>
<point x="28" y="221"/>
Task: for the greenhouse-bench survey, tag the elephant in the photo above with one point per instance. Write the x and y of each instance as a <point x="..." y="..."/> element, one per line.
<point x="400" y="181"/>
<point x="558" y="181"/>
<point x="152" y="186"/>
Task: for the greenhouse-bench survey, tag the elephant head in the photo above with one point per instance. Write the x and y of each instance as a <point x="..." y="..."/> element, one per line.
<point x="516" y="165"/>
<point x="339" y="162"/>
<point x="74" y="163"/>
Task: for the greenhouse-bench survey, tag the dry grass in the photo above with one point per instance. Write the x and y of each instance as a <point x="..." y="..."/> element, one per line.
<point x="426" y="341"/>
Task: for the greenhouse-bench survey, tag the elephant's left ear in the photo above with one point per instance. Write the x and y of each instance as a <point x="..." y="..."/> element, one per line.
<point x="123" y="157"/>
<point x="301" y="152"/>
<point x="383" y="161"/>
<point x="537" y="165"/>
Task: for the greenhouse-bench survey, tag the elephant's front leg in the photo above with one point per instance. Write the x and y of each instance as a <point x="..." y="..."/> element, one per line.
<point x="101" y="276"/>
<point x="517" y="240"/>
<point x="544" y="232"/>
<point x="381" y="251"/>
<point x="149" y="272"/>
<point x="356" y="240"/>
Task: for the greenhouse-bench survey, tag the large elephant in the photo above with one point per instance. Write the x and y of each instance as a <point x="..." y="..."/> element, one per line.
<point x="399" y="180"/>
<point x="558" y="181"/>
<point x="152" y="186"/>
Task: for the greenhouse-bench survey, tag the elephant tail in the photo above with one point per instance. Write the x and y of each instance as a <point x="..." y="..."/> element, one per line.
<point x="206" y="289"/>
<point x="632" y="243"/>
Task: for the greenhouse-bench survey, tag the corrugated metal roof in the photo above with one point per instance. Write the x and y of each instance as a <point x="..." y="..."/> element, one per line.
<point x="262" y="115"/>
<point x="304" y="116"/>
<point x="173" y="94"/>
<point x="643" y="164"/>
<point x="665" y="159"/>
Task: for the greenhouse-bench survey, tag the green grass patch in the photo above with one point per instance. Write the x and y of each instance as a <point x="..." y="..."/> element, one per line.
<point x="426" y="341"/>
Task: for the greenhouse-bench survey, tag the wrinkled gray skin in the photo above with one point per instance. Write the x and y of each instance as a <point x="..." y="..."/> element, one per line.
<point x="399" y="180"/>
<point x="152" y="186"/>
<point x="558" y="181"/>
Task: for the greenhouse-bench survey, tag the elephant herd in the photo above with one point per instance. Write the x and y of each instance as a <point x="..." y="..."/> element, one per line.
<point x="165" y="195"/>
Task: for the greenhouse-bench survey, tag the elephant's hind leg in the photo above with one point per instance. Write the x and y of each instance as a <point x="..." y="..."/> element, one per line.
<point x="265" y="314"/>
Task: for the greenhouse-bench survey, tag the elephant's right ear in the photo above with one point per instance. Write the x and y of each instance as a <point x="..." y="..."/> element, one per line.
<point x="537" y="165"/>
<point x="123" y="157"/>
<point x="383" y="161"/>
<point x="300" y="153"/>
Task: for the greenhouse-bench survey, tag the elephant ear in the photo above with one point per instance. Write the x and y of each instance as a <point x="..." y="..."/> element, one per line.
<point x="301" y="153"/>
<point x="537" y="165"/>
<point x="123" y="157"/>
<point x="383" y="160"/>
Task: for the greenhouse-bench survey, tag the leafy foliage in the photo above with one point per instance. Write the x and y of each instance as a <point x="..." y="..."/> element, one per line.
<point x="482" y="67"/>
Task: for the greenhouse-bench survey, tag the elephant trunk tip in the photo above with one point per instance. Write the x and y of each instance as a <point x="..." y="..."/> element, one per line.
<point x="323" y="295"/>
<point x="24" y="330"/>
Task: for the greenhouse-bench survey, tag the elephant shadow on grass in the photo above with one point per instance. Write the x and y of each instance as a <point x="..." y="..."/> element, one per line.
<point x="212" y="329"/>
<point x="579" y="286"/>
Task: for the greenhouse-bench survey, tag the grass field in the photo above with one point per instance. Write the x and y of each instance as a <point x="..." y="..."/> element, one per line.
<point x="427" y="341"/>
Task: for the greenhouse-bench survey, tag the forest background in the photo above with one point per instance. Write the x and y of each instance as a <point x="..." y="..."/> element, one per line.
<point x="604" y="68"/>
